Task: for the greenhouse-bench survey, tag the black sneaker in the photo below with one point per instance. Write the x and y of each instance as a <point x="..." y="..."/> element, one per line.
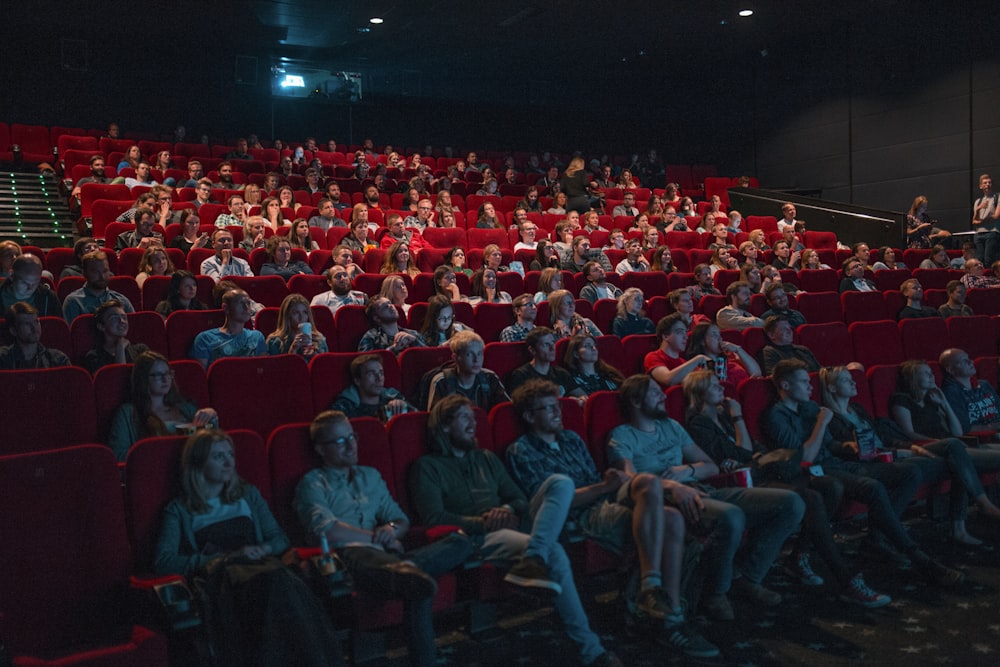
<point x="942" y="575"/>
<point x="684" y="638"/>
<point x="531" y="572"/>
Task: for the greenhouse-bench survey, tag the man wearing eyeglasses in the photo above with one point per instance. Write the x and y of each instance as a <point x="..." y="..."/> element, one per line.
<point x="203" y="193"/>
<point x="350" y="506"/>
<point x="525" y="311"/>
<point x="424" y="217"/>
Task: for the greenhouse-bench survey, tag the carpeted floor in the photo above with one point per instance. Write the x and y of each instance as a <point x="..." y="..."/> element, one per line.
<point x="924" y="625"/>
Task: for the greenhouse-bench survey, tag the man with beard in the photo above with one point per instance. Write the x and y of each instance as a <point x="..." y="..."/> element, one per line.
<point x="95" y="292"/>
<point x="96" y="175"/>
<point x="386" y="334"/>
<point x="368" y="396"/>
<point x="340" y="293"/>
<point x="226" y="178"/>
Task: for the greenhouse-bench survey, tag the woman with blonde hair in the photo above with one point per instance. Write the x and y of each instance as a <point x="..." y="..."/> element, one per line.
<point x="251" y="195"/>
<point x="295" y="331"/>
<point x="575" y="182"/>
<point x="395" y="290"/>
<point x="758" y="238"/>
<point x="155" y="262"/>
<point x="631" y="318"/>
<point x="564" y="319"/>
<point x="398" y="259"/>
<point x="549" y="281"/>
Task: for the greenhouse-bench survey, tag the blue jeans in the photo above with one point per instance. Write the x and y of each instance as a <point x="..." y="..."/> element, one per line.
<point x="770" y="515"/>
<point x="547" y="514"/>
<point x="962" y="465"/>
<point x="988" y="246"/>
<point x="900" y="481"/>
<point x="434" y="559"/>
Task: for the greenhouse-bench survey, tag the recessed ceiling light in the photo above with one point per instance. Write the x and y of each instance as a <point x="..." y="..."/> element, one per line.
<point x="746" y="12"/>
<point x="376" y="20"/>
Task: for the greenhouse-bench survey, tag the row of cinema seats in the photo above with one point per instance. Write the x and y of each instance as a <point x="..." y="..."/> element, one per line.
<point x="46" y="587"/>
<point x="67" y="406"/>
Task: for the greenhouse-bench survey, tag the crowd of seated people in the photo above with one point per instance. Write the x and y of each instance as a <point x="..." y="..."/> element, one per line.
<point x="580" y="266"/>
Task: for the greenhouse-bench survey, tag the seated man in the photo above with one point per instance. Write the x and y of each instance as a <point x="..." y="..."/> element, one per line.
<point x="237" y="213"/>
<point x="326" y="216"/>
<point x="386" y="334"/>
<point x="787" y="216"/>
<point x="349" y="507"/>
<point x="635" y="260"/>
<point x="955" y="306"/>
<point x="580" y="253"/>
<point x="975" y="278"/>
<point x="597" y="286"/>
<point x="195" y="174"/>
<point x="777" y="299"/>
<point x="779" y="347"/>
<point x="226" y="181"/>
<point x="25" y="284"/>
<point x="737" y="314"/>
<point x="703" y="282"/>
<point x="608" y="508"/>
<point x="651" y="442"/>
<point x="240" y="151"/>
<point x="525" y="311"/>
<point x="627" y="207"/>
<point x="333" y="194"/>
<point x="368" y="396"/>
<point x="974" y="401"/>
<point x="541" y="343"/>
<point x="784" y="258"/>
<point x="26" y="350"/>
<point x="863" y="254"/>
<point x="232" y="339"/>
<point x="142" y="176"/>
<point x="788" y="234"/>
<point x="224" y="263"/>
<point x="666" y="364"/>
<point x="913" y="292"/>
<point x="143" y="235"/>
<point x="203" y="193"/>
<point x="343" y="255"/>
<point x="95" y="292"/>
<point x="96" y="175"/>
<point x="467" y="378"/>
<point x="397" y="232"/>
<point x="795" y="422"/>
<point x="854" y="278"/>
<point x="340" y="292"/>
<point x="424" y="217"/>
<point x="459" y="484"/>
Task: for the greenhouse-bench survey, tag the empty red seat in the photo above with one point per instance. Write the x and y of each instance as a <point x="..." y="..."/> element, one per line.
<point x="183" y="326"/>
<point x="876" y="343"/>
<point x="924" y="338"/>
<point x="972" y="334"/>
<point x="260" y="393"/>
<point x="47" y="409"/>
<point x="864" y="307"/>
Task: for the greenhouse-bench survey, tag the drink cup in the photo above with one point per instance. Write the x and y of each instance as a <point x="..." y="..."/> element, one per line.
<point x="742" y="478"/>
<point x="884" y="457"/>
<point x="306" y="328"/>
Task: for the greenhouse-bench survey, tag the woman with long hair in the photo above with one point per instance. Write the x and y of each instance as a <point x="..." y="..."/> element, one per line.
<point x="287" y="198"/>
<point x="444" y="283"/>
<point x="716" y="425"/>
<point x="299" y="236"/>
<point x="626" y="181"/>
<point x="443" y="202"/>
<point x="131" y="158"/>
<point x="564" y="319"/>
<point x="156" y="407"/>
<point x="295" y="331"/>
<point x="922" y="412"/>
<point x="279" y="260"/>
<point x="575" y="182"/>
<point x="182" y="294"/>
<point x="111" y="337"/>
<point x="723" y="259"/>
<point x="486" y="217"/>
<point x="631" y="318"/>
<point x="549" y="281"/>
<point x="251" y="195"/>
<point x="270" y="210"/>
<point x="190" y="236"/>
<point x="399" y="260"/>
<point x="154" y="262"/>
<point x="546" y="256"/>
<point x="886" y="259"/>
<point x="439" y="322"/>
<point x="589" y="371"/>
<point x="811" y="260"/>
<point x="920" y="229"/>
<point x="731" y="362"/>
<point x="938" y="259"/>
<point x="493" y="258"/>
<point x="394" y="289"/>
<point x="559" y="201"/>
<point x="221" y="530"/>
<point x="662" y="260"/>
<point x="484" y="288"/>
<point x="758" y="238"/>
<point x="455" y="260"/>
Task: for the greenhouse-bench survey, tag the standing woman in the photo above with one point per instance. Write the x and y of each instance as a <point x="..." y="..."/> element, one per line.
<point x="221" y="529"/>
<point x="155" y="262"/>
<point x="156" y="407"/>
<point x="575" y="182"/>
<point x="295" y="331"/>
<point x="920" y="229"/>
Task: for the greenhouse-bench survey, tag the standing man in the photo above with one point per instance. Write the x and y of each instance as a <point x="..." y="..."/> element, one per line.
<point x="985" y="214"/>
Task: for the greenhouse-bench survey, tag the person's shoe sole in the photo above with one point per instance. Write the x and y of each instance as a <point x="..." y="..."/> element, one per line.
<point x="543" y="585"/>
<point x="408" y="581"/>
<point x="867" y="604"/>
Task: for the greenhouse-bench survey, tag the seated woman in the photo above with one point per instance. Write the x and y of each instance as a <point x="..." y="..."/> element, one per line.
<point x="732" y="364"/>
<point x="564" y="319"/>
<point x="938" y="259"/>
<point x="220" y="529"/>
<point x="811" y="260"/>
<point x="546" y="256"/>
<point x="558" y="204"/>
<point x="529" y="202"/>
<point x="455" y="260"/>
<point x="411" y="200"/>
<point x="270" y="210"/>
<point x="923" y="413"/>
<point x="588" y="370"/>
<point x="631" y="318"/>
<point x="190" y="237"/>
<point x="394" y="288"/>
<point x="489" y="187"/>
<point x="663" y="260"/>
<point x="357" y="238"/>
<point x="398" y="259"/>
<point x="770" y="275"/>
<point x="295" y="331"/>
<point x="683" y="303"/>
<point x="758" y="238"/>
<point x="640" y="223"/>
<point x="626" y="181"/>
<point x="686" y="208"/>
<point x="444" y="283"/>
<point x="748" y="254"/>
<point x="111" y="331"/>
<point x="253" y="233"/>
<point x="156" y="407"/>
<point x="443" y="203"/>
<point x="447" y="220"/>
<point x="279" y="260"/>
<point x="750" y="274"/>
<point x="182" y="294"/>
<point x="486" y="217"/>
<point x="550" y="281"/>
<point x="716" y="425"/>
<point x="286" y="196"/>
<point x="493" y="258"/>
<point x="654" y="207"/>
<point x="251" y="195"/>
<point x="439" y="322"/>
<point x="886" y="259"/>
<point x="722" y="259"/>
<point x="484" y="288"/>
<point x="155" y="262"/>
